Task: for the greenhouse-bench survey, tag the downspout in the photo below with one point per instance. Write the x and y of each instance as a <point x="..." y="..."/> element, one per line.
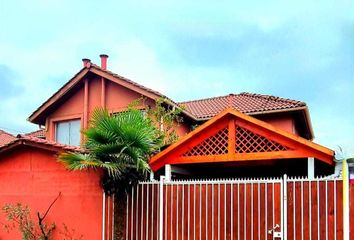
<point x="103" y="215"/>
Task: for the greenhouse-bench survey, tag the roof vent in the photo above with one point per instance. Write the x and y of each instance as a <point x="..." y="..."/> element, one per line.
<point x="104" y="58"/>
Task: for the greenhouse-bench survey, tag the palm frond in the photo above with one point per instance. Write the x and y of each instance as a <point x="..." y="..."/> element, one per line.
<point x="120" y="145"/>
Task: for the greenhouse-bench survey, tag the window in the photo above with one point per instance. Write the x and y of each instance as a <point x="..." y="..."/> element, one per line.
<point x="68" y="132"/>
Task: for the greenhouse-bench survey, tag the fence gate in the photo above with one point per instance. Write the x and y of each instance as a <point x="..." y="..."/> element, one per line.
<point x="196" y="210"/>
<point x="314" y="209"/>
<point x="261" y="209"/>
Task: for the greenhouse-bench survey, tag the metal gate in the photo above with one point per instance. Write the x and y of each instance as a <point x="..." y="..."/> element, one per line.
<point x="242" y="209"/>
<point x="207" y="209"/>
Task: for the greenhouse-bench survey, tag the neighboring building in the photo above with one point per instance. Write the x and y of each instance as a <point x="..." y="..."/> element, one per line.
<point x="29" y="172"/>
<point x="5" y="137"/>
<point x="31" y="175"/>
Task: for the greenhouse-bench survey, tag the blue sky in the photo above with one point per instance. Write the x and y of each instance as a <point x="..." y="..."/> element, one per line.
<point x="302" y="50"/>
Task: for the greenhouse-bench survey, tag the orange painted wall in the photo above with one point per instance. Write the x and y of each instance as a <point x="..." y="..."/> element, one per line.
<point x="116" y="99"/>
<point x="72" y="108"/>
<point x="32" y="176"/>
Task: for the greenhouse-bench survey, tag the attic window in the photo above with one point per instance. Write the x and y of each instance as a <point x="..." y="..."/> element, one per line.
<point x="68" y="132"/>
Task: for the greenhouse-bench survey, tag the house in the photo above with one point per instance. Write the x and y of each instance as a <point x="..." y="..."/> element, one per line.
<point x="277" y="136"/>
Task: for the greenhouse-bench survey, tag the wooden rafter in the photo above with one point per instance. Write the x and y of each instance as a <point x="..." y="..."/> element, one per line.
<point x="234" y="136"/>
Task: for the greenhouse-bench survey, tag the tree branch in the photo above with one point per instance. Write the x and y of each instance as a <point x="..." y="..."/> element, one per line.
<point x="40" y="219"/>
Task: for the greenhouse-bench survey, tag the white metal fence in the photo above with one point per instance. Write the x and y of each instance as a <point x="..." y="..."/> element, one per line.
<point x="236" y="209"/>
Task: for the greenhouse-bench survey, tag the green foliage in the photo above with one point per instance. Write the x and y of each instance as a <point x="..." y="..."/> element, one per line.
<point x="120" y="144"/>
<point x="19" y="217"/>
<point x="166" y="118"/>
<point x="69" y="234"/>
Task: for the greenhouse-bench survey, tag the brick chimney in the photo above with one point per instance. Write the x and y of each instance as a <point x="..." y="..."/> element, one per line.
<point x="86" y="62"/>
<point x="104" y="58"/>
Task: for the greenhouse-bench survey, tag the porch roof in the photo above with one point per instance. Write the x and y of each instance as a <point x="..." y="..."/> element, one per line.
<point x="232" y="136"/>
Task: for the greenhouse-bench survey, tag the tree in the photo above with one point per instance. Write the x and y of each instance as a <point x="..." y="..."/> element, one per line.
<point x="19" y="216"/>
<point x="120" y="145"/>
<point x="166" y="118"/>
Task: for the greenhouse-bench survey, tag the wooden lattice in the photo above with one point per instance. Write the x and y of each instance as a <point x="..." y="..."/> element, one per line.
<point x="214" y="145"/>
<point x="249" y="142"/>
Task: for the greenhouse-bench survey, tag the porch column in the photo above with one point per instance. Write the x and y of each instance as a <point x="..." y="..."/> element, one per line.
<point x="311" y="167"/>
<point x="168" y="172"/>
<point x="152" y="176"/>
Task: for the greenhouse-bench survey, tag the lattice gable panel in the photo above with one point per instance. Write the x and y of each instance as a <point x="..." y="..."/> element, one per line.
<point x="249" y="142"/>
<point x="216" y="144"/>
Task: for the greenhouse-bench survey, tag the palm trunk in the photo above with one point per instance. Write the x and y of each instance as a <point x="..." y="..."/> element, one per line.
<point x="120" y="202"/>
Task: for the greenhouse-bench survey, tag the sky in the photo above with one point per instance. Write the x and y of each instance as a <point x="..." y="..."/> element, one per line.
<point x="301" y="50"/>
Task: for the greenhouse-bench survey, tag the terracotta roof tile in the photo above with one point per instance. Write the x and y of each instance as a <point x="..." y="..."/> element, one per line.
<point x="45" y="142"/>
<point x="5" y="137"/>
<point x="38" y="133"/>
<point x="243" y="102"/>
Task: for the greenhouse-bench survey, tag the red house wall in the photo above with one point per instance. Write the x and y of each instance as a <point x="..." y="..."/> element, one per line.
<point x="285" y="122"/>
<point x="33" y="177"/>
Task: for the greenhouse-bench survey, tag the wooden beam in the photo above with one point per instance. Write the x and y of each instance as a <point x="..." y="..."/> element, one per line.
<point x="86" y="93"/>
<point x="232" y="139"/>
<point x="103" y="92"/>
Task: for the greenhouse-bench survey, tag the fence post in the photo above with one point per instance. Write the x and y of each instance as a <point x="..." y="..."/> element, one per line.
<point x="161" y="205"/>
<point x="285" y="207"/>
<point x="345" y="177"/>
<point x="103" y="215"/>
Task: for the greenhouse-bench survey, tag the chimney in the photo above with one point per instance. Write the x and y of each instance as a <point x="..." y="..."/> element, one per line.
<point x="86" y="62"/>
<point x="104" y="58"/>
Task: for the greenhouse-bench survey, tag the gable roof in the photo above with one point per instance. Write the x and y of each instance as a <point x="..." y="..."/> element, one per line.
<point x="38" y="115"/>
<point x="234" y="136"/>
<point x="5" y="137"/>
<point x="244" y="102"/>
<point x="197" y="110"/>
<point x="39" y="143"/>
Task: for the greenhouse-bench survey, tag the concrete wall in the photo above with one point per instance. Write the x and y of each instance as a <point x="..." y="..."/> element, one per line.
<point x="33" y="177"/>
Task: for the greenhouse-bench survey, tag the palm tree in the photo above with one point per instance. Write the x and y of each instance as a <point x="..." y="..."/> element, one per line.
<point x="120" y="145"/>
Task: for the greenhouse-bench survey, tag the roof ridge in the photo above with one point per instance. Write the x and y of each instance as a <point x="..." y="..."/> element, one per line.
<point x="271" y="97"/>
